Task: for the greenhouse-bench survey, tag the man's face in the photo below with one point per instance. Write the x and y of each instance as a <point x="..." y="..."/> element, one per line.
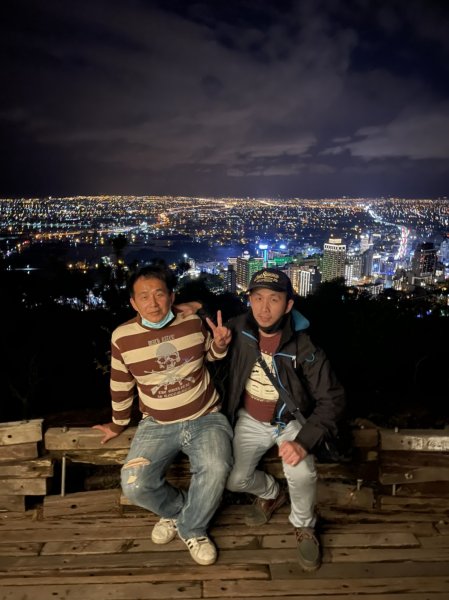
<point x="151" y="300"/>
<point x="269" y="306"/>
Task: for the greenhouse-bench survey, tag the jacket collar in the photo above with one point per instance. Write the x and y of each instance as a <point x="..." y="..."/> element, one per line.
<point x="295" y="323"/>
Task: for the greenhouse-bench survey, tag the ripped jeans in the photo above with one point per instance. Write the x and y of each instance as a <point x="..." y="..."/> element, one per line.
<point x="207" y="443"/>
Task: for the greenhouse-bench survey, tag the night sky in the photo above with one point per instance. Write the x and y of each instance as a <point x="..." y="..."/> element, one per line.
<point x="313" y="98"/>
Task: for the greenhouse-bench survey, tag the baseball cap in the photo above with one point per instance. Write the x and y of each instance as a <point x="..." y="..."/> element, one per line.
<point x="272" y="279"/>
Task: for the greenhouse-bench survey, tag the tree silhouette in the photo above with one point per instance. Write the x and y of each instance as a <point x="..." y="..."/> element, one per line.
<point x="118" y="244"/>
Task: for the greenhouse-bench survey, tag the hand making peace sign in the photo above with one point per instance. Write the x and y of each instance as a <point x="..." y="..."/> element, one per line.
<point x="222" y="335"/>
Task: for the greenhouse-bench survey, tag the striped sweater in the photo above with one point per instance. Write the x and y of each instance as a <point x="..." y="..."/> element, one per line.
<point x="167" y="366"/>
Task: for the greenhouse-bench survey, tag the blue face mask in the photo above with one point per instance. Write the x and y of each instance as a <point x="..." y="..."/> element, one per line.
<point x="168" y="317"/>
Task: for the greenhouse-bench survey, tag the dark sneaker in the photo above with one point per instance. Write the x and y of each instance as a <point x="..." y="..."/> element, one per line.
<point x="309" y="551"/>
<point x="261" y="510"/>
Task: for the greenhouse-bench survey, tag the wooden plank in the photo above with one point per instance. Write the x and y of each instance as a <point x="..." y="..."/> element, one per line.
<point x="191" y="572"/>
<point x="12" y="503"/>
<point x="316" y="587"/>
<point x="81" y="503"/>
<point x="140" y="529"/>
<point x="24" y="487"/>
<point x="441" y="541"/>
<point x="422" y="529"/>
<point x="383" y="516"/>
<point x="339" y="494"/>
<point x="93" y="457"/>
<point x="66" y="438"/>
<point x="394" y="596"/>
<point x="104" y="519"/>
<point x="86" y="547"/>
<point x="40" y="467"/>
<point x="417" y="504"/>
<point x="229" y="515"/>
<point x="428" y="489"/>
<point x="387" y="554"/>
<point x="422" y="440"/>
<point x="408" y="467"/>
<point x="20" y="549"/>
<point x="19" y="452"/>
<point x="411" y="458"/>
<point x="38" y="565"/>
<point x="126" y="591"/>
<point x="348" y="540"/>
<point x="359" y="570"/>
<point x="390" y="475"/>
<point x="84" y="438"/>
<point x="234" y="542"/>
<point x="20" y="432"/>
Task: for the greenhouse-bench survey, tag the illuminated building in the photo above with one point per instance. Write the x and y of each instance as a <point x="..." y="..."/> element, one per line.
<point x="367" y="263"/>
<point x="364" y="242"/>
<point x="264" y="248"/>
<point x="334" y="258"/>
<point x="424" y="264"/>
<point x="304" y="278"/>
<point x="230" y="280"/>
<point x="353" y="268"/>
<point x="246" y="267"/>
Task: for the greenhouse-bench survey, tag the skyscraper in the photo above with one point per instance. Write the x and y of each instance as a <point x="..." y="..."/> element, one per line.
<point x="304" y="278"/>
<point x="364" y="242"/>
<point x="367" y="263"/>
<point x="245" y="268"/>
<point x="230" y="280"/>
<point x="424" y="263"/>
<point x="334" y="257"/>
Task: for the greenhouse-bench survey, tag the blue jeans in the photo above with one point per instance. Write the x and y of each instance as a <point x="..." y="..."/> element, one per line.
<point x="252" y="439"/>
<point x="207" y="443"/>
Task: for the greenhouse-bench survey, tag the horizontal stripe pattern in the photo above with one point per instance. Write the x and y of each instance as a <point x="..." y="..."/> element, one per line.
<point x="167" y="366"/>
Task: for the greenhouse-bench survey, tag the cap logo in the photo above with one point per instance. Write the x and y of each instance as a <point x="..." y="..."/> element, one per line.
<point x="266" y="277"/>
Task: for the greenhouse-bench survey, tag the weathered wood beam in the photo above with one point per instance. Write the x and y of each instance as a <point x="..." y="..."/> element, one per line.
<point x="422" y="440"/>
<point x="20" y="432"/>
<point x="26" y="487"/>
<point x="19" y="452"/>
<point x="12" y="503"/>
<point x="84" y="438"/>
<point x="39" y="467"/>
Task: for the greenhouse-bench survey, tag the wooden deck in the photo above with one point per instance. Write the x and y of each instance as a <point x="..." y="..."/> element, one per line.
<point x="390" y="554"/>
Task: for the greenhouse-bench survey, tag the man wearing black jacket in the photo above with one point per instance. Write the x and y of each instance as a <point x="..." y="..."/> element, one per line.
<point x="276" y="371"/>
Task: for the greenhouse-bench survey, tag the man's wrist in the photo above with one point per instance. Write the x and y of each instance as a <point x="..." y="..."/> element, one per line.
<point x="219" y="349"/>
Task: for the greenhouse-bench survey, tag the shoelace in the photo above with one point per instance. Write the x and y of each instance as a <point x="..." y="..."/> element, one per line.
<point x="304" y="534"/>
<point x="192" y="542"/>
<point x="170" y="523"/>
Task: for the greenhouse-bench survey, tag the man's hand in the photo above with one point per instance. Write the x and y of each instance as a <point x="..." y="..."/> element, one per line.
<point x="188" y="308"/>
<point x="292" y="453"/>
<point x="108" y="433"/>
<point x="222" y="335"/>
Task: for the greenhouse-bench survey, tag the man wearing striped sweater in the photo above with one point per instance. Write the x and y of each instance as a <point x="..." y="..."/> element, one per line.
<point x="162" y="353"/>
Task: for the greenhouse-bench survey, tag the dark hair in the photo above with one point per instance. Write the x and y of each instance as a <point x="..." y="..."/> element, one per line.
<point x="157" y="269"/>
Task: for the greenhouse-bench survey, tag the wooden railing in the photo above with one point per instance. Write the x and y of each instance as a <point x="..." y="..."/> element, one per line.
<point x="389" y="470"/>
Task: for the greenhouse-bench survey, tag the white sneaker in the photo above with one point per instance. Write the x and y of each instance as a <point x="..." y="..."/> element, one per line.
<point x="201" y="549"/>
<point x="164" y="531"/>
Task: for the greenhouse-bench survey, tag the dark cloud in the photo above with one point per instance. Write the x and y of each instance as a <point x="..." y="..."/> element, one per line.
<point x="312" y="97"/>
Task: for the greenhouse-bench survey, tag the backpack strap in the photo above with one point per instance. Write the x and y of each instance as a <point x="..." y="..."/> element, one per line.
<point x="283" y="393"/>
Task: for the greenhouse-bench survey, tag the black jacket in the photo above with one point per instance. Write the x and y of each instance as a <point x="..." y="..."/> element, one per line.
<point x="301" y="367"/>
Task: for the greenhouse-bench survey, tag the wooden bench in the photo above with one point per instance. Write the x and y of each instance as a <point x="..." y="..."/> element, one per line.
<point x="348" y="484"/>
<point x="390" y="469"/>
